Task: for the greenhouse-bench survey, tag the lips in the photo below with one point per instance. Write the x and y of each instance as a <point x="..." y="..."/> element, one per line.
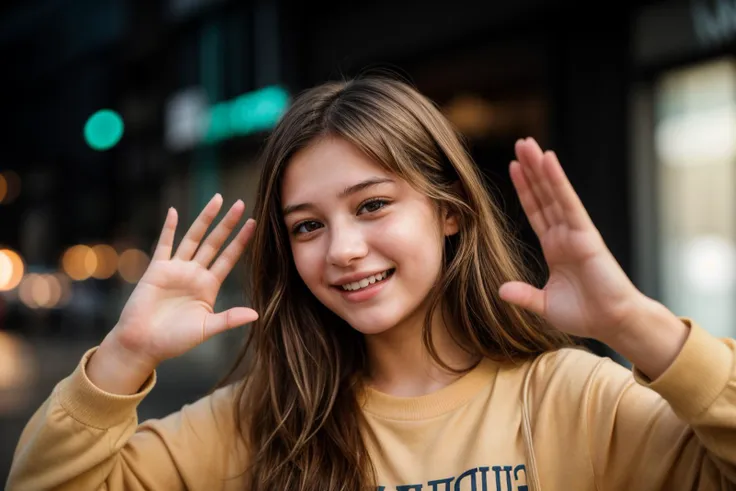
<point x="365" y="293"/>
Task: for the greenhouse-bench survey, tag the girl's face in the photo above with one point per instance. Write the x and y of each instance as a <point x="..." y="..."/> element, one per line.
<point x="365" y="243"/>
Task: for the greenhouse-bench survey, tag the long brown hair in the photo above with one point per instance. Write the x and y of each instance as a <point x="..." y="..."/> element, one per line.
<point x="298" y="402"/>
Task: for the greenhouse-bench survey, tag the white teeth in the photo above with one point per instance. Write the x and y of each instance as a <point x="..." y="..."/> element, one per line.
<point x="357" y="285"/>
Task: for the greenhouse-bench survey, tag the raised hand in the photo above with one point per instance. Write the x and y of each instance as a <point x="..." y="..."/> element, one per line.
<point x="587" y="293"/>
<point x="171" y="309"/>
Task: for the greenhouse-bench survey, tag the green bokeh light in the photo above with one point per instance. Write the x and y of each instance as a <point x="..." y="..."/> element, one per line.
<point x="104" y="129"/>
<point x="248" y="113"/>
<point x="259" y="110"/>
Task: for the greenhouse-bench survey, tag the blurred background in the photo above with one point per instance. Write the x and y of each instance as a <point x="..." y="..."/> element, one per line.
<point x="114" y="110"/>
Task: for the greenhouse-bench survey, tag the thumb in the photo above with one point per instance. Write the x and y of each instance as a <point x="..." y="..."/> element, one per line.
<point x="216" y="323"/>
<point x="524" y="295"/>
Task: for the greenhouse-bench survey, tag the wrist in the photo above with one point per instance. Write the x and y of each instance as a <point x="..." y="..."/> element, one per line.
<point x="115" y="369"/>
<point x="630" y="324"/>
<point x="651" y="337"/>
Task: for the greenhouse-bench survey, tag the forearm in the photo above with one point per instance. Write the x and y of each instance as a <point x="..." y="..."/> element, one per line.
<point x="56" y="453"/>
<point x="68" y="443"/>
<point x="652" y="339"/>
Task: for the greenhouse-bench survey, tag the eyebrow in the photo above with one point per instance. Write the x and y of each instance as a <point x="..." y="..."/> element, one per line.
<point x="373" y="181"/>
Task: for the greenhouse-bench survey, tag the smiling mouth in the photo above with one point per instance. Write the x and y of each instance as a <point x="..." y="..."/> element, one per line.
<point x="366" y="282"/>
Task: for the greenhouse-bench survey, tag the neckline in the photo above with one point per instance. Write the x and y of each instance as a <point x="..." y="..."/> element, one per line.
<point x="433" y="404"/>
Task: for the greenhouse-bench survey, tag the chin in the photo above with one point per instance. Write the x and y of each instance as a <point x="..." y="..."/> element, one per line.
<point x="371" y="329"/>
<point x="377" y="323"/>
<point x="374" y="317"/>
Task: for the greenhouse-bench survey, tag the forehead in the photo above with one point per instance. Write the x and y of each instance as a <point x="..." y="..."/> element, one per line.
<point x="327" y="164"/>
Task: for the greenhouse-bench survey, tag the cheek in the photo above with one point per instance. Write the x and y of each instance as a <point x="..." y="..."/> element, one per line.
<point x="308" y="258"/>
<point x="412" y="240"/>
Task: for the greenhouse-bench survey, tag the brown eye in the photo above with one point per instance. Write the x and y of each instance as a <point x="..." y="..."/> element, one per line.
<point x="306" y="227"/>
<point x="373" y="205"/>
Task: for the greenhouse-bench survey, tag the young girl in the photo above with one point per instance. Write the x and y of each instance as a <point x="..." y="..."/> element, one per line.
<point x="397" y="345"/>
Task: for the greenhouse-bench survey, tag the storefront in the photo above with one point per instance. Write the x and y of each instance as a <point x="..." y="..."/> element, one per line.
<point x="683" y="158"/>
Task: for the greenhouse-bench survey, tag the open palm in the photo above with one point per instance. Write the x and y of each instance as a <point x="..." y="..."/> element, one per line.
<point x="171" y="309"/>
<point x="587" y="293"/>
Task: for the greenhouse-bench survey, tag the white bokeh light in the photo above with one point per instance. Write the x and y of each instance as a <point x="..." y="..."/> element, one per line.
<point x="710" y="263"/>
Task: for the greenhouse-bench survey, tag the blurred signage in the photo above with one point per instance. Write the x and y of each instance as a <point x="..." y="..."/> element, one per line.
<point x="714" y="21"/>
<point x="186" y="113"/>
<point x="183" y="8"/>
<point x="191" y="120"/>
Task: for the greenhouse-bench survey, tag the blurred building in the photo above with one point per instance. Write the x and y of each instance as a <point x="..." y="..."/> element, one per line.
<point x="637" y="98"/>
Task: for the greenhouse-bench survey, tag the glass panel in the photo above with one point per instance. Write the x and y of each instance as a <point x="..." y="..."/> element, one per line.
<point x="695" y="144"/>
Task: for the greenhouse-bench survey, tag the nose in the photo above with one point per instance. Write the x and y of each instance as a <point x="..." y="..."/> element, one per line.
<point x="347" y="244"/>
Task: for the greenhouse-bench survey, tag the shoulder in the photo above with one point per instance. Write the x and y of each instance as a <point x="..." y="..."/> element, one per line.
<point x="211" y="417"/>
<point x="571" y="375"/>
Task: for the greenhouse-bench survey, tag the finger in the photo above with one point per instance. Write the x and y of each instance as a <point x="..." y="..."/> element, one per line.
<point x="549" y="201"/>
<point x="194" y="235"/>
<point x="524" y="295"/>
<point x="216" y="323"/>
<point x="526" y="157"/>
<point x="530" y="158"/>
<point x="575" y="213"/>
<point x="217" y="238"/>
<point x="166" y="239"/>
<point x="225" y="263"/>
<point x="528" y="201"/>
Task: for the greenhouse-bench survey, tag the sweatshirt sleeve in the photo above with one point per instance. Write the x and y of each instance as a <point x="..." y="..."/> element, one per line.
<point x="677" y="432"/>
<point x="85" y="438"/>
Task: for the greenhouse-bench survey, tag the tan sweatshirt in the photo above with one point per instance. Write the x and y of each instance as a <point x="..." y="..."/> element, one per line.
<point x="567" y="421"/>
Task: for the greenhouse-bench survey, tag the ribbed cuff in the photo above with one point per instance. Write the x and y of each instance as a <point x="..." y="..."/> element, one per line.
<point x="94" y="407"/>
<point x="698" y="375"/>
